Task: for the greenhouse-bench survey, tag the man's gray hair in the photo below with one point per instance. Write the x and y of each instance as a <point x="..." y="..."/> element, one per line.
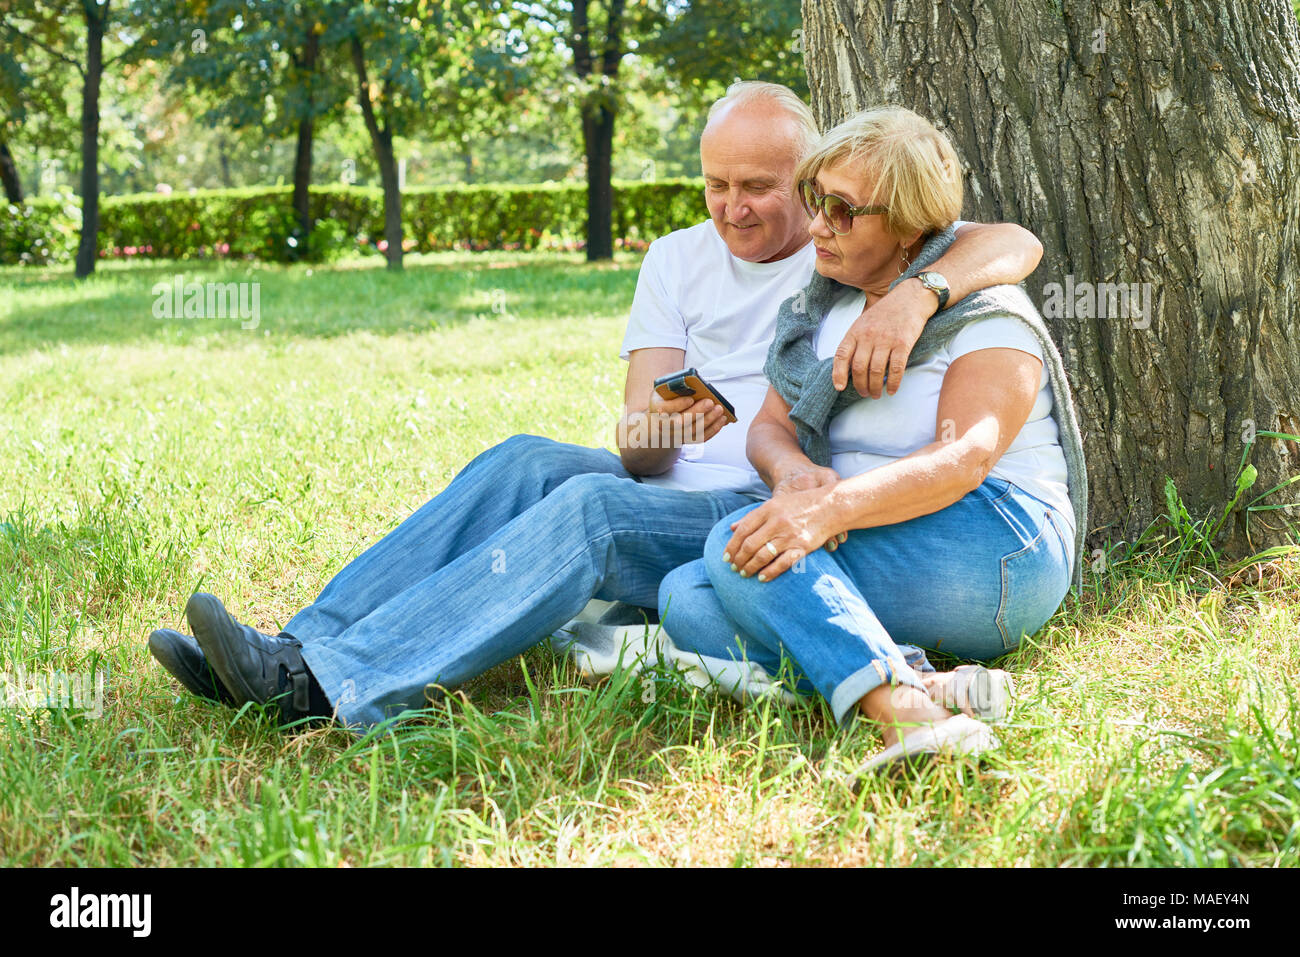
<point x="744" y="92"/>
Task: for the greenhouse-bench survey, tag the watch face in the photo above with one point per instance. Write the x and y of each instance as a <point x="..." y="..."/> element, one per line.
<point x="936" y="284"/>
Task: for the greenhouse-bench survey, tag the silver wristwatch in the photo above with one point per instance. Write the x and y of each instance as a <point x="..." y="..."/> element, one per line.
<point x="937" y="285"/>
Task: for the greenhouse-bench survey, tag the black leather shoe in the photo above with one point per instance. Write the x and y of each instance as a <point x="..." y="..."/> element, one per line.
<point x="183" y="659"/>
<point x="255" y="667"/>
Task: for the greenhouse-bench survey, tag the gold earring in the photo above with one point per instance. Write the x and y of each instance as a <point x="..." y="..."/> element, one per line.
<point x="907" y="263"/>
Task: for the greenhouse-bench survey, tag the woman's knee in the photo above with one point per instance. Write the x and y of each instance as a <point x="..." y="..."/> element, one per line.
<point x="692" y="616"/>
<point x="716" y="545"/>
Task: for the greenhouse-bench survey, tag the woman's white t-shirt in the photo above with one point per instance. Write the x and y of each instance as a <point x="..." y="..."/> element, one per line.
<point x="875" y="432"/>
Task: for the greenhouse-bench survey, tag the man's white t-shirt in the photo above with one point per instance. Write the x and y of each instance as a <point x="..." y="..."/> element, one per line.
<point x="693" y="294"/>
<point x="875" y="432"/>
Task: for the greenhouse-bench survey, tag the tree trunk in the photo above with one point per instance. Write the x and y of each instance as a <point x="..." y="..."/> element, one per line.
<point x="306" y="129"/>
<point x="223" y="160"/>
<point x="1147" y="144"/>
<point x="598" y="143"/>
<point x="392" y="198"/>
<point x="302" y="179"/>
<point x="89" y="244"/>
<point x="13" y="185"/>
<point x="382" y="140"/>
<point x="598" y="122"/>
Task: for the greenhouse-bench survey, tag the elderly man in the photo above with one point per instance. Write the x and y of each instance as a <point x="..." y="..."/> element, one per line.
<point x="531" y="530"/>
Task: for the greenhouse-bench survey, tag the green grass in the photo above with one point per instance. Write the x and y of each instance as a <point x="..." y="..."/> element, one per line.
<point x="145" y="458"/>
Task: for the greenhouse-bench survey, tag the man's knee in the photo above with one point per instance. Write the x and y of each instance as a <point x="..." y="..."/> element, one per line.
<point x="535" y="457"/>
<point x="524" y="448"/>
<point x="589" y="494"/>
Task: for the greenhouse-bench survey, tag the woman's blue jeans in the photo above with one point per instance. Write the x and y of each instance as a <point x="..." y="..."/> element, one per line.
<point x="969" y="580"/>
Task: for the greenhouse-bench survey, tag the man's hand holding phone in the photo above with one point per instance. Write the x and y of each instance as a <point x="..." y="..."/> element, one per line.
<point x="687" y="409"/>
<point x="685" y="420"/>
<point x="682" y="409"/>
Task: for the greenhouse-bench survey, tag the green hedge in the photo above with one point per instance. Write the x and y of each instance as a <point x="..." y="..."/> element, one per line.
<point x="259" y="222"/>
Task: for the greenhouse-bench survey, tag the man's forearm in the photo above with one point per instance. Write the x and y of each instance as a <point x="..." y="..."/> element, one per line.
<point x="644" y="450"/>
<point x="983" y="256"/>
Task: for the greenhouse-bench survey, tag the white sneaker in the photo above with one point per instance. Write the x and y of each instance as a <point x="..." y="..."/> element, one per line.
<point x="958" y="735"/>
<point x="977" y="692"/>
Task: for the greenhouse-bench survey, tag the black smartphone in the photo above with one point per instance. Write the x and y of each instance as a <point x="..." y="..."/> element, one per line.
<point x="688" y="382"/>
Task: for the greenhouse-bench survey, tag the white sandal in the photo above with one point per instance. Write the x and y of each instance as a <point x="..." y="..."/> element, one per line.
<point x="960" y="734"/>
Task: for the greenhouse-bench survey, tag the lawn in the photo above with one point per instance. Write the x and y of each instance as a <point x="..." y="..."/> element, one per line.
<point x="145" y="458"/>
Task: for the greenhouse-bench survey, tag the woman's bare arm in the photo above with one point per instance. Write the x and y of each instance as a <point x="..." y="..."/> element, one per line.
<point x="985" y="400"/>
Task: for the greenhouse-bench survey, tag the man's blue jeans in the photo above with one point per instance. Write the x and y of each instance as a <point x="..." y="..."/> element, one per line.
<point x="969" y="580"/>
<point x="513" y="548"/>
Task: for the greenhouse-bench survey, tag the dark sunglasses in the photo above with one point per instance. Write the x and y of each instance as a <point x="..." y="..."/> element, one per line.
<point x="838" y="211"/>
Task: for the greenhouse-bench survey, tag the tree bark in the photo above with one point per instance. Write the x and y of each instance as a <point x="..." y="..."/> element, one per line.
<point x="598" y="123"/>
<point x="88" y="247"/>
<point x="306" y="130"/>
<point x="13" y="185"/>
<point x="382" y="140"/>
<point x="1144" y="143"/>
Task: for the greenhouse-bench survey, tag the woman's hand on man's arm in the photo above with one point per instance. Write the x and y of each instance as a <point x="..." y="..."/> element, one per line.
<point x="772" y="446"/>
<point x="881" y="338"/>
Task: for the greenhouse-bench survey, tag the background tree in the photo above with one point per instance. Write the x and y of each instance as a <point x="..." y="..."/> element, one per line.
<point x="15" y="84"/>
<point x="9" y="178"/>
<point x="705" y="46"/>
<point x="73" y="32"/>
<point x="1145" y="143"/>
<point x="31" y="103"/>
<point x="262" y="64"/>
<point x="702" y="46"/>
<point x="416" y="62"/>
<point x="593" y="36"/>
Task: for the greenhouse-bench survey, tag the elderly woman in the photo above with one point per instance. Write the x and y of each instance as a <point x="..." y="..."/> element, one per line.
<point x="946" y="515"/>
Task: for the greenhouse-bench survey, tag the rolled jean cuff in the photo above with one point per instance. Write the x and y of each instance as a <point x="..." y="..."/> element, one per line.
<point x="844" y="699"/>
<point x="916" y="659"/>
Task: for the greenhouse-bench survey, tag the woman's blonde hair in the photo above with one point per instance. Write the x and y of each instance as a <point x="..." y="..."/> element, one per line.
<point x="909" y="165"/>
